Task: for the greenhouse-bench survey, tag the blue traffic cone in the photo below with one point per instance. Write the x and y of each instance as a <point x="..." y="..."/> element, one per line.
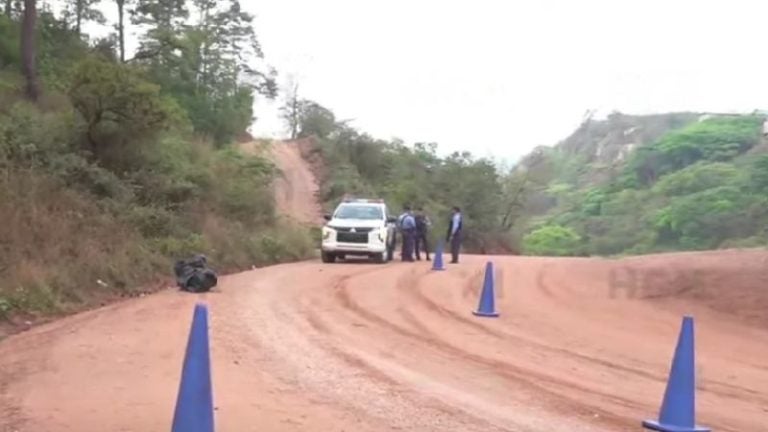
<point x="678" y="410"/>
<point x="437" y="264"/>
<point x="487" y="307"/>
<point x="194" y="404"/>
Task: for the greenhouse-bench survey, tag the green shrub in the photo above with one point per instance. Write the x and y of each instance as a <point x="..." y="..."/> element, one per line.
<point x="552" y="240"/>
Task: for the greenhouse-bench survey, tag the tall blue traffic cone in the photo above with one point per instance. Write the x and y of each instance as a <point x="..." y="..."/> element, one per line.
<point x="678" y="410"/>
<point x="194" y="404"/>
<point x="487" y="307"/>
<point x="437" y="264"/>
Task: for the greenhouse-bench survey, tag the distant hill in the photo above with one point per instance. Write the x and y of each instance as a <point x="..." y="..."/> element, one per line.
<point x="638" y="184"/>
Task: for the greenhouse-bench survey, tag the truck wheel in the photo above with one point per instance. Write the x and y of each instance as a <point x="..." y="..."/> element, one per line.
<point x="390" y="252"/>
<point x="327" y="257"/>
<point x="379" y="258"/>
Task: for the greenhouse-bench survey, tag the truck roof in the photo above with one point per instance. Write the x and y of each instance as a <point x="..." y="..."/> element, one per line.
<point x="363" y="200"/>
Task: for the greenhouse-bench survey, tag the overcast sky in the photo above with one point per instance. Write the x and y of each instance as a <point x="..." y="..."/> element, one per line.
<point x="501" y="77"/>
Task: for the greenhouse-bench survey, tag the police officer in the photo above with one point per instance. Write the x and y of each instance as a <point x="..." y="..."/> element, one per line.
<point x="407" y="224"/>
<point x="422" y="225"/>
<point x="454" y="234"/>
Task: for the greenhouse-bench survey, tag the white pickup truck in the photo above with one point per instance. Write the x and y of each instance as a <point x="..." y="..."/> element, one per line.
<point x="361" y="227"/>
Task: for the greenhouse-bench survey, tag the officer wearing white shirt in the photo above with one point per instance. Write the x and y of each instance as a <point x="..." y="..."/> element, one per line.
<point x="454" y="234"/>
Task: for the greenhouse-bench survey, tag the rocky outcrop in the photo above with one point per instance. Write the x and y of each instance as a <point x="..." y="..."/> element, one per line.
<point x="611" y="140"/>
<point x="605" y="144"/>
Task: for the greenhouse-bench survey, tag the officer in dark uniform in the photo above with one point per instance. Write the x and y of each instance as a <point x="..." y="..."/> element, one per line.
<point x="454" y="234"/>
<point x="422" y="225"/>
<point x="407" y="224"/>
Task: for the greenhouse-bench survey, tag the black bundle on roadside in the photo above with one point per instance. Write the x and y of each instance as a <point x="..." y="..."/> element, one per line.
<point x="194" y="274"/>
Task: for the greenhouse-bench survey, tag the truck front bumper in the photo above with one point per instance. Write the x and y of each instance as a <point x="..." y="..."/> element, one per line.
<point x="353" y="248"/>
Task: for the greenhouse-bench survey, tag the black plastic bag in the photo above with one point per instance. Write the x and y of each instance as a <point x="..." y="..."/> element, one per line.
<point x="194" y="275"/>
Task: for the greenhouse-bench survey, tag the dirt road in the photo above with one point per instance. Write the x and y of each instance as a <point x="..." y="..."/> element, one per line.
<point x="581" y="345"/>
<point x="296" y="187"/>
<point x="312" y="347"/>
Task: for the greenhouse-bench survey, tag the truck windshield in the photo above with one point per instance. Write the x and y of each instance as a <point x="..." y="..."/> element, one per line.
<point x="359" y="212"/>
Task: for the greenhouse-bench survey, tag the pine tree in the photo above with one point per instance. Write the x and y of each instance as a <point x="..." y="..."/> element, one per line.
<point x="78" y="12"/>
<point x="29" y="49"/>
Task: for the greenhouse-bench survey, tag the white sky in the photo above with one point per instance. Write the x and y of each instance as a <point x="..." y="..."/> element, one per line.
<point x="501" y="77"/>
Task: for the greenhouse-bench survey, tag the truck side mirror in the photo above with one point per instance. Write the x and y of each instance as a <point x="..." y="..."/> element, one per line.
<point x="391" y="219"/>
<point x="327" y="216"/>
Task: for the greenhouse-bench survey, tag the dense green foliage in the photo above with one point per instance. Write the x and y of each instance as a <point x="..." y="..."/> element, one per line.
<point x="121" y="167"/>
<point x="624" y="185"/>
<point x="551" y="240"/>
<point x="698" y="186"/>
<point x="717" y="139"/>
<point x="361" y="165"/>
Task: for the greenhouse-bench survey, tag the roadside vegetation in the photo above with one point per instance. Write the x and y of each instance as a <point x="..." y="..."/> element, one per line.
<point x="621" y="186"/>
<point x="113" y="167"/>
<point x="698" y="186"/>
<point x="353" y="162"/>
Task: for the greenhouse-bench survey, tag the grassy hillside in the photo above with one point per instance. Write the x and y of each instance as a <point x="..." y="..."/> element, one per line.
<point x="114" y="172"/>
<point x="701" y="184"/>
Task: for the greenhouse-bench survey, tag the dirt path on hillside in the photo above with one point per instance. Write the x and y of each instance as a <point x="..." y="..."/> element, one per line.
<point x="312" y="347"/>
<point x="296" y="188"/>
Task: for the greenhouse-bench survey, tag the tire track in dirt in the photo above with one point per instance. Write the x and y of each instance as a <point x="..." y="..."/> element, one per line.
<point x="288" y="353"/>
<point x="357" y="362"/>
<point x="385" y="394"/>
<point x="419" y="297"/>
<point x="502" y="335"/>
<point x="719" y="388"/>
<point x="473" y="280"/>
<point x="319" y="325"/>
<point x="353" y="361"/>
<point x="476" y="419"/>
<point x="296" y="354"/>
<point x="506" y="371"/>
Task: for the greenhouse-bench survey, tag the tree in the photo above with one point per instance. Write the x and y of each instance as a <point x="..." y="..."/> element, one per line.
<point x="520" y="185"/>
<point x="28" y="49"/>
<point x="696" y="178"/>
<point x="225" y="47"/>
<point x="163" y="19"/>
<point x="120" y="26"/>
<point x="290" y="110"/>
<point x="14" y="8"/>
<point x="114" y="101"/>
<point x="79" y="11"/>
<point x="315" y="119"/>
<point x="209" y="64"/>
<point x="704" y="219"/>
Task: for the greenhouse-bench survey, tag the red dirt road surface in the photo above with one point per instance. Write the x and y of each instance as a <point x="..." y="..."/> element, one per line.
<point x="581" y="345"/>
<point x="312" y="347"/>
